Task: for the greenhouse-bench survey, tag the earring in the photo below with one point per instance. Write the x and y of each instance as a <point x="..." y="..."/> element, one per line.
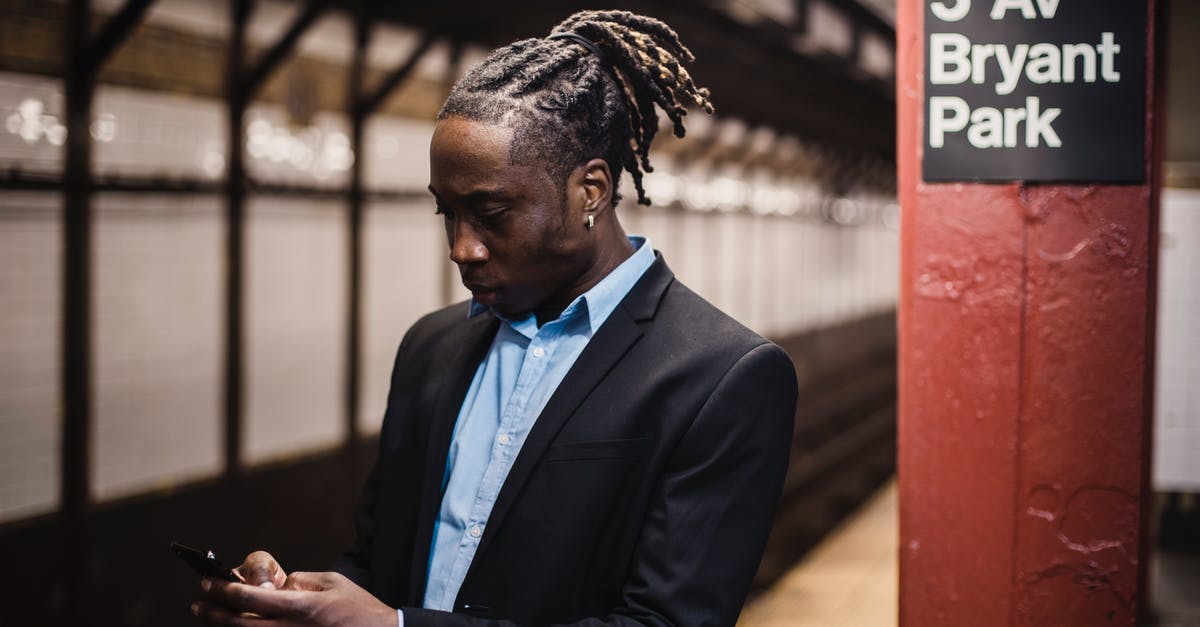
<point x="591" y="222"/>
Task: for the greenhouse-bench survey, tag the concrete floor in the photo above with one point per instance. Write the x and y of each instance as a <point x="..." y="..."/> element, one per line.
<point x="849" y="580"/>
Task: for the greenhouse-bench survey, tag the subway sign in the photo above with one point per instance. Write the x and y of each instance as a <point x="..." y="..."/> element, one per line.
<point x="1035" y="90"/>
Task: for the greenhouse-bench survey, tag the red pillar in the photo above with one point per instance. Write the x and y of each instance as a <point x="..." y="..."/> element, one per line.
<point x="1026" y="323"/>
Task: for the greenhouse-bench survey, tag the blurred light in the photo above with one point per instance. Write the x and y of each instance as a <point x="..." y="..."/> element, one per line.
<point x="768" y="199"/>
<point x="31" y="123"/>
<point x="337" y="155"/>
<point x="890" y="216"/>
<point x="311" y="149"/>
<point x="212" y="159"/>
<point x="844" y="211"/>
<point x="695" y="193"/>
<point x="662" y="188"/>
<point x="56" y="135"/>
<point x="727" y="193"/>
<point x="104" y="128"/>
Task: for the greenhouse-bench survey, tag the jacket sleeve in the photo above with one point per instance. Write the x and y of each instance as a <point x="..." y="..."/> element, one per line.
<point x="704" y="534"/>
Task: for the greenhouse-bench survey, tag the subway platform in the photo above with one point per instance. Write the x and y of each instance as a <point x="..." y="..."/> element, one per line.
<point x="850" y="579"/>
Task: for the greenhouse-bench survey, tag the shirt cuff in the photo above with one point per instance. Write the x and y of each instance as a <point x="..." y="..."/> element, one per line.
<point x="400" y="615"/>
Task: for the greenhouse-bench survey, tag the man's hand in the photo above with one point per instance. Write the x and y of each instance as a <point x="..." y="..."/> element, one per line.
<point x="260" y="569"/>
<point x="304" y="599"/>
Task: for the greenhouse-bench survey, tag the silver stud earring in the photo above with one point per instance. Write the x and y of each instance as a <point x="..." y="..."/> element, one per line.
<point x="591" y="222"/>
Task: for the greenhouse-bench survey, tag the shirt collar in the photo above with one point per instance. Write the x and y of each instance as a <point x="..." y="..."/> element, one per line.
<point x="598" y="302"/>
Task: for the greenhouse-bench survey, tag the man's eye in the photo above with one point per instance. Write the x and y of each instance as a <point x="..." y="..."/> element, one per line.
<point x="493" y="215"/>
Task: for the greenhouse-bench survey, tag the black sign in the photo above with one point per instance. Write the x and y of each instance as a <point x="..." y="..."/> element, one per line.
<point x="1035" y="90"/>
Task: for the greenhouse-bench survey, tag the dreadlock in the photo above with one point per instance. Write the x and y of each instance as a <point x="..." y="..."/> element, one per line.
<point x="568" y="105"/>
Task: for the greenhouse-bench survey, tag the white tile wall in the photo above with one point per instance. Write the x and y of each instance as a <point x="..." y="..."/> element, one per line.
<point x="30" y="322"/>
<point x="295" y="327"/>
<point x="158" y="294"/>
<point x="397" y="154"/>
<point x="144" y="133"/>
<point x="403" y="250"/>
<point x="1177" y="378"/>
<point x="778" y="275"/>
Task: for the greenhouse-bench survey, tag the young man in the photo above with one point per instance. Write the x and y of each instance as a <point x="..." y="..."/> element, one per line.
<point x="586" y="441"/>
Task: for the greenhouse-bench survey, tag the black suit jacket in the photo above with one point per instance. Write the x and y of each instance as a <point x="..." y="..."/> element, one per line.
<point x="642" y="495"/>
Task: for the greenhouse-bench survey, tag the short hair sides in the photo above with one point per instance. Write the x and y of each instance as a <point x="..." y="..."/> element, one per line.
<point x="567" y="105"/>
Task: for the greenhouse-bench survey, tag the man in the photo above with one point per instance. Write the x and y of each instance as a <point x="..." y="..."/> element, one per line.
<point x="587" y="441"/>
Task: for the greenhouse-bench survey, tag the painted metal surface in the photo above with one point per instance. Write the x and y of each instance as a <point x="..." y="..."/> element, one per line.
<point x="1026" y="324"/>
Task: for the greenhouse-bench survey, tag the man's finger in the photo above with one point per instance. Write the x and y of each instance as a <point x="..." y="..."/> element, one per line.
<point x="247" y="598"/>
<point x="260" y="569"/>
<point x="314" y="582"/>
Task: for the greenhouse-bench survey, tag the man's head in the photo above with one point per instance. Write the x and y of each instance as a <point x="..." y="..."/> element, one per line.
<point x="531" y="143"/>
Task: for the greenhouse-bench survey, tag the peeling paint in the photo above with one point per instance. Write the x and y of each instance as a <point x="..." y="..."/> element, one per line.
<point x="1040" y="513"/>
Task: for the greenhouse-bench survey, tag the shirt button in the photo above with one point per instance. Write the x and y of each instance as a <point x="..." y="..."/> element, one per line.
<point x="504" y="439"/>
<point x="538" y="352"/>
<point x="475" y="531"/>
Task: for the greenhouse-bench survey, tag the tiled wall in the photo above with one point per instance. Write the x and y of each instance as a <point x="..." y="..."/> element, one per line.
<point x="404" y="268"/>
<point x="777" y="275"/>
<point x="158" y="336"/>
<point x="30" y="322"/>
<point x="1177" y="392"/>
<point x="295" y="327"/>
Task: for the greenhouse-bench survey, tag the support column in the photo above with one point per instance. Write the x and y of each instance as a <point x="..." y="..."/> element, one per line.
<point x="237" y="98"/>
<point x="354" y="226"/>
<point x="1026" y="329"/>
<point x="76" y="346"/>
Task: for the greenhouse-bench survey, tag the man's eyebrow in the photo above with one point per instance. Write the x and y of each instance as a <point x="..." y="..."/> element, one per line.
<point x="480" y="194"/>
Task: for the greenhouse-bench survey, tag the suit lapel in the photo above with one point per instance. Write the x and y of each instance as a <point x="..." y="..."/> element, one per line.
<point x="604" y="351"/>
<point x="468" y="350"/>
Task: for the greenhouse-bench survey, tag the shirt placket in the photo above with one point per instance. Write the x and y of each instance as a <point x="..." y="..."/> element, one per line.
<point x="514" y="424"/>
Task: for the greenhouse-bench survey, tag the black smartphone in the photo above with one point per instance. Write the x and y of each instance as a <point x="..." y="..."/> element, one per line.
<point x="204" y="563"/>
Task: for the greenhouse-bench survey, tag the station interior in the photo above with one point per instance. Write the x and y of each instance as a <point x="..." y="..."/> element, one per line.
<point x="201" y="351"/>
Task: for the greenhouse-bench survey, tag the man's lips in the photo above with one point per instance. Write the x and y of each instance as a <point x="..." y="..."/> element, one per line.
<point x="479" y="289"/>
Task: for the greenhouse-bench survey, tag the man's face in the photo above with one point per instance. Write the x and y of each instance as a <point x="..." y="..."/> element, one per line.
<point x="516" y="245"/>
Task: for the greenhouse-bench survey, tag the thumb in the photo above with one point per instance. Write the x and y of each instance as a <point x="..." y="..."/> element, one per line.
<point x="260" y="569"/>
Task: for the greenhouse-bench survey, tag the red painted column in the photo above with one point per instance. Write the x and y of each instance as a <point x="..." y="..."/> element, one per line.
<point x="1026" y="323"/>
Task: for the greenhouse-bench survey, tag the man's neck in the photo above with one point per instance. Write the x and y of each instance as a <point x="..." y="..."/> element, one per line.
<point x="615" y="250"/>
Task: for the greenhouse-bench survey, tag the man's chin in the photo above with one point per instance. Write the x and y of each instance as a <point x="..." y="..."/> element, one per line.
<point x="484" y="297"/>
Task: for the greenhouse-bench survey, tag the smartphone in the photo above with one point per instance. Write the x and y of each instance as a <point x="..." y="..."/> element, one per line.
<point x="204" y="563"/>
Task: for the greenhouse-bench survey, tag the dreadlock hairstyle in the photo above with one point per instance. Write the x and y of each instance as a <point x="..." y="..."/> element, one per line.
<point x="567" y="104"/>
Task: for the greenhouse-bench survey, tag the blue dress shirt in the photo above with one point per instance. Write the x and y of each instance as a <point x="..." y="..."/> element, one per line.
<point x="522" y="369"/>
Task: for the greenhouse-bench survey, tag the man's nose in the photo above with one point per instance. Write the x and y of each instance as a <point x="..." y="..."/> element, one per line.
<point x="465" y="245"/>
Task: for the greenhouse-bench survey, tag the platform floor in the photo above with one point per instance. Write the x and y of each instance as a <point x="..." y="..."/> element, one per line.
<point x="849" y="580"/>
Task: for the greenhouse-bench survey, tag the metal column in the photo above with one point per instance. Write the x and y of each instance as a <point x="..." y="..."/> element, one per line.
<point x="1026" y="382"/>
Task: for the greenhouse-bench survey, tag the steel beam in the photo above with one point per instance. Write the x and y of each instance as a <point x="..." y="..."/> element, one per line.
<point x="83" y="59"/>
<point x="255" y="76"/>
<point x="370" y="103"/>
<point x="116" y="30"/>
<point x="200" y="187"/>
<point x="237" y="98"/>
<point x="354" y="196"/>
<point x="76" y="311"/>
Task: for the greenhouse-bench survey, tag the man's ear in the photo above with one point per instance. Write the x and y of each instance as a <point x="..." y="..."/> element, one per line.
<point x="597" y="184"/>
